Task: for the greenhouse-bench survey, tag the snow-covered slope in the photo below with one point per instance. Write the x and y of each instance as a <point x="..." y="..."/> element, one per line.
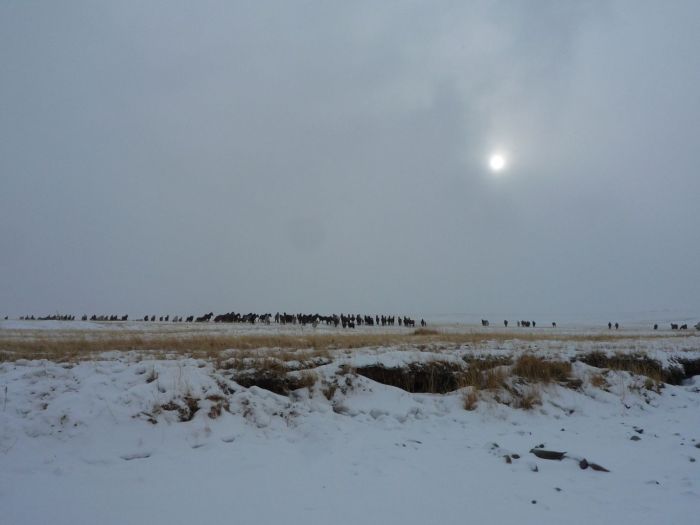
<point x="92" y="443"/>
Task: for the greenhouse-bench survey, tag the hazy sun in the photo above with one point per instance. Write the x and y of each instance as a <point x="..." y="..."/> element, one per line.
<point x="497" y="162"/>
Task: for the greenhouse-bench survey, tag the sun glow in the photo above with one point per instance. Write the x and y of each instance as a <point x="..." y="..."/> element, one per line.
<point x="497" y="162"/>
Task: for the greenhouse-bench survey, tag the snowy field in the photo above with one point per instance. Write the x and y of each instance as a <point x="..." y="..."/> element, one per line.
<point x="127" y="438"/>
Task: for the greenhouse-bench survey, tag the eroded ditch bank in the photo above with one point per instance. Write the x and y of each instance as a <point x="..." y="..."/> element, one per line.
<point x="441" y="377"/>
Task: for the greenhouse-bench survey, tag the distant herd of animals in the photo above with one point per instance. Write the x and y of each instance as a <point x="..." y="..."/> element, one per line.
<point x="346" y="321"/>
<point x="521" y="324"/>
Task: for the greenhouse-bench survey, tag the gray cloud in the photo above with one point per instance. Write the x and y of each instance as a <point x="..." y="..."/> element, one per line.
<point x="322" y="156"/>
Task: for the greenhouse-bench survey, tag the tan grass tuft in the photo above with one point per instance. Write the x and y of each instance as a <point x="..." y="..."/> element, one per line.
<point x="539" y="370"/>
<point x="634" y="363"/>
<point x="528" y="399"/>
<point x="598" y="381"/>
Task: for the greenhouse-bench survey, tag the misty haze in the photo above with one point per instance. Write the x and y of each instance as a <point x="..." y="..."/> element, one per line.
<point x="349" y="262"/>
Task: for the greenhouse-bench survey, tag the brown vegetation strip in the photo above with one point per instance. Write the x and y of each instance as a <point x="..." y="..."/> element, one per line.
<point x="77" y="346"/>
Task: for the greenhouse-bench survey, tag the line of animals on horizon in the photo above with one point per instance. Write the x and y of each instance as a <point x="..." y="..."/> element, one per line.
<point x="523" y="324"/>
<point x="533" y="324"/>
<point x="346" y="321"/>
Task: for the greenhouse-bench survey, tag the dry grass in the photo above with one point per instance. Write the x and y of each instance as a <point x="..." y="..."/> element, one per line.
<point x="528" y="400"/>
<point x="495" y="378"/>
<point x="307" y="379"/>
<point x="497" y="375"/>
<point x="329" y="390"/>
<point x="272" y="374"/>
<point x="485" y="373"/>
<point x="218" y="405"/>
<point x="598" y="381"/>
<point x="539" y="370"/>
<point x="653" y="385"/>
<point x="67" y="345"/>
<point x="638" y="364"/>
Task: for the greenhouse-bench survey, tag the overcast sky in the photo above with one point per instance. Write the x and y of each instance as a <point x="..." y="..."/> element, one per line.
<point x="182" y="157"/>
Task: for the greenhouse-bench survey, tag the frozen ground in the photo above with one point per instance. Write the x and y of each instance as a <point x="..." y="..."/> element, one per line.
<point x="85" y="443"/>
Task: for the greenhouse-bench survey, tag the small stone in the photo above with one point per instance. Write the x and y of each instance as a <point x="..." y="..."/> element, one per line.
<point x="534" y="501"/>
<point x="635" y="438"/>
<point x="508" y="460"/>
<point x="548" y="454"/>
<point x="583" y="464"/>
<point x="515" y="456"/>
<point x="557" y="489"/>
<point x="692" y="460"/>
<point x="597" y="467"/>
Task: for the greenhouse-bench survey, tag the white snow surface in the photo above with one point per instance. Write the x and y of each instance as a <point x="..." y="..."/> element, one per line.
<point x="77" y="446"/>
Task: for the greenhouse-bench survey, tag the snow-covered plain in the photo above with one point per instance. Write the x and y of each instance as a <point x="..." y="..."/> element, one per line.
<point x="85" y="443"/>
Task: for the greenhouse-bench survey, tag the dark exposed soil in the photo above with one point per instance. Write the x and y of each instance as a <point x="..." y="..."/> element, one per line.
<point x="273" y="381"/>
<point x="437" y="377"/>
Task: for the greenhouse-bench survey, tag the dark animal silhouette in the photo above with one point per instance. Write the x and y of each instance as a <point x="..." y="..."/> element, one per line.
<point x="484" y="322"/>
